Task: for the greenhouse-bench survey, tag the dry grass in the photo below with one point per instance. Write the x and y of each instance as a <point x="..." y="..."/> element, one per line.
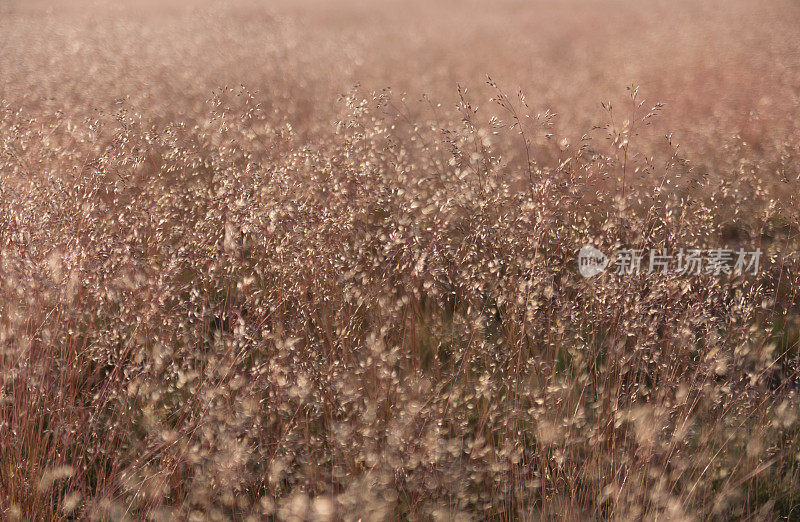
<point x="299" y="299"/>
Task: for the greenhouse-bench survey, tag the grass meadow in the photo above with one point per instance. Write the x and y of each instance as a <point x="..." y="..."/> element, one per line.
<point x="307" y="260"/>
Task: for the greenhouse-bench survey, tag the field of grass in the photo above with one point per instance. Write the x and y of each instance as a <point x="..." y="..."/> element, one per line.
<point x="308" y="260"/>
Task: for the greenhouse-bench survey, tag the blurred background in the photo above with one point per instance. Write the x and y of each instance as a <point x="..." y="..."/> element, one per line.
<point x="723" y="68"/>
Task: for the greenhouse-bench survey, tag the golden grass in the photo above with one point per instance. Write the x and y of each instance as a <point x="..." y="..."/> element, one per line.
<point x="236" y="286"/>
